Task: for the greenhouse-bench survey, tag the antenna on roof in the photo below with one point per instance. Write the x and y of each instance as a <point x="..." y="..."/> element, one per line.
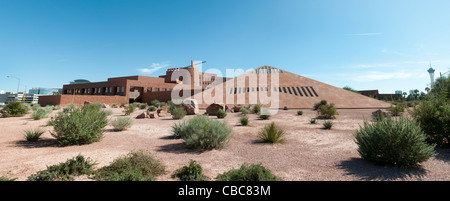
<point x="192" y="64"/>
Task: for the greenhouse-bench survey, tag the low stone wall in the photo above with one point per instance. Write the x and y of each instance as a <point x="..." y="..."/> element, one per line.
<point x="65" y="100"/>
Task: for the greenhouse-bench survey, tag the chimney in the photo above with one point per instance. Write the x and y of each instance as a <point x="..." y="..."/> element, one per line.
<point x="192" y="63"/>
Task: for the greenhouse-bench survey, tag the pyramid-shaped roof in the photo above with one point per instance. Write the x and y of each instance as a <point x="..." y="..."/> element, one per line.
<point x="287" y="89"/>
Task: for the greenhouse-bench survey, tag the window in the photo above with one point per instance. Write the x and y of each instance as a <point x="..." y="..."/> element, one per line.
<point x="304" y="91"/>
<point x="231" y="90"/>
<point x="149" y="89"/>
<point x="289" y="89"/>
<point x="314" y="91"/>
<point x="293" y="89"/>
<point x="163" y="89"/>
<point x="274" y="89"/>
<point x="239" y="90"/>
<point x="267" y="89"/>
<point x="284" y="89"/>
<point x="309" y="92"/>
<point x="156" y="89"/>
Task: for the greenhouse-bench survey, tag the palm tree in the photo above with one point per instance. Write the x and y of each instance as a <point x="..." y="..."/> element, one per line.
<point x="427" y="89"/>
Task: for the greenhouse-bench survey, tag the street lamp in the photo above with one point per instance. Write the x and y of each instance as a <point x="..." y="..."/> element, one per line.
<point x="18" y="85"/>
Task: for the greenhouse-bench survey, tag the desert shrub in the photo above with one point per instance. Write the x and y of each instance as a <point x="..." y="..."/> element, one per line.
<point x="93" y="106"/>
<point x="254" y="172"/>
<point x="41" y="113"/>
<point x="299" y="112"/>
<point x="107" y="112"/>
<point x="156" y="103"/>
<point x="378" y="115"/>
<point x="114" y="105"/>
<point x="285" y="108"/>
<point x="193" y="172"/>
<point x="129" y="109"/>
<point x="33" y="134"/>
<point x="135" y="166"/>
<point x="14" y="109"/>
<point x="327" y="125"/>
<point x="3" y="178"/>
<point x="244" y="111"/>
<point x="244" y="120"/>
<point x="272" y="133"/>
<point x="312" y="121"/>
<point x="151" y="108"/>
<point x="327" y="111"/>
<point x="65" y="171"/>
<point x="398" y="142"/>
<point x="69" y="108"/>
<point x="143" y="106"/>
<point x="256" y="108"/>
<point x="433" y="116"/>
<point x="319" y="104"/>
<point x="122" y="123"/>
<point x="178" y="112"/>
<point x="57" y="107"/>
<point x="221" y="114"/>
<point x="203" y="133"/>
<point x="396" y="110"/>
<point x="123" y="104"/>
<point x="80" y="125"/>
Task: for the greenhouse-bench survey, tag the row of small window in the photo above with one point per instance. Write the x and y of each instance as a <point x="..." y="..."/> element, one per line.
<point x="158" y="89"/>
<point x="267" y="69"/>
<point x="307" y="91"/>
<point x="96" y="91"/>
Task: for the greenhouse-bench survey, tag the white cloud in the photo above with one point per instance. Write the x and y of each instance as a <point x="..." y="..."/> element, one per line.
<point x="154" y="67"/>
<point x="2" y="91"/>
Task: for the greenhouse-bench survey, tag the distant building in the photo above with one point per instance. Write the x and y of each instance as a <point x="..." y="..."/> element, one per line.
<point x="22" y="97"/>
<point x="80" y="81"/>
<point x="44" y="91"/>
<point x="399" y="92"/>
<point x="412" y="92"/>
<point x="377" y="95"/>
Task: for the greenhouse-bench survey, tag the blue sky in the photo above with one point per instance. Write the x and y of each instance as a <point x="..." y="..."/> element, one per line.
<point x="365" y="44"/>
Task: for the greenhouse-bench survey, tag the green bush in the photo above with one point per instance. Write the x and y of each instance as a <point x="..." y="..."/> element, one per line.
<point x="327" y="125"/>
<point x="122" y="123"/>
<point x="128" y="110"/>
<point x="65" y="171"/>
<point x="312" y="121"/>
<point x="2" y="178"/>
<point x="397" y="142"/>
<point x="41" y="113"/>
<point x="143" y="106"/>
<point x="244" y="111"/>
<point x="254" y="172"/>
<point x="396" y="110"/>
<point x="178" y="112"/>
<point x="244" y="120"/>
<point x="14" y="109"/>
<point x="319" y="104"/>
<point x="203" y="133"/>
<point x="264" y="113"/>
<point x="433" y="116"/>
<point x="256" y="108"/>
<point x="156" y="103"/>
<point x="285" y="108"/>
<point x="299" y="112"/>
<point x="79" y="125"/>
<point x="33" y="134"/>
<point x="151" y="108"/>
<point x="221" y="114"/>
<point x="272" y="133"/>
<point x="193" y="172"/>
<point x="327" y="111"/>
<point x="135" y="166"/>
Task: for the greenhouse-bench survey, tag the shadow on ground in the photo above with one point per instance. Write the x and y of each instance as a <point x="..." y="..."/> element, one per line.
<point x="48" y="142"/>
<point x="368" y="171"/>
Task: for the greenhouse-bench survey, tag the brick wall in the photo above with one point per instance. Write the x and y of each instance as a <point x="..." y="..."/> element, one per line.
<point x="65" y="100"/>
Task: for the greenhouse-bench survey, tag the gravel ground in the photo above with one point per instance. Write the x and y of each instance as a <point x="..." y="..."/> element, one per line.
<point x="310" y="153"/>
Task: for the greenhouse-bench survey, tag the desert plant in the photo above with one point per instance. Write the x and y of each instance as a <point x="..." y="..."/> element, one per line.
<point x="114" y="105"/>
<point x="221" y="114"/>
<point x="312" y="121"/>
<point x="178" y="112"/>
<point x="327" y="111"/>
<point x="135" y="166"/>
<point x="80" y="125"/>
<point x="129" y="109"/>
<point x="193" y="172"/>
<point x="203" y="133"/>
<point x="272" y="133"/>
<point x="398" y="142"/>
<point x="327" y="125"/>
<point x="256" y="108"/>
<point x="122" y="123"/>
<point x="156" y="103"/>
<point x="41" y="113"/>
<point x="254" y="172"/>
<point x="65" y="171"/>
<point x="244" y="111"/>
<point x="396" y="110"/>
<point x="299" y="112"/>
<point x="3" y="178"/>
<point x="319" y="104"/>
<point x="33" y="134"/>
<point x="244" y="120"/>
<point x="285" y="108"/>
<point x="378" y="115"/>
<point x="143" y="106"/>
<point x="14" y="109"/>
<point x="123" y="104"/>
<point x="151" y="108"/>
<point x="264" y="113"/>
<point x="433" y="116"/>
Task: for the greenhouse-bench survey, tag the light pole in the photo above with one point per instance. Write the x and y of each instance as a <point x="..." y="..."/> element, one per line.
<point x="18" y="85"/>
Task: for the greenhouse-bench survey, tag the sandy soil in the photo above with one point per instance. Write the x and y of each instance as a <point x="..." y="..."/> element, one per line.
<point x="309" y="153"/>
